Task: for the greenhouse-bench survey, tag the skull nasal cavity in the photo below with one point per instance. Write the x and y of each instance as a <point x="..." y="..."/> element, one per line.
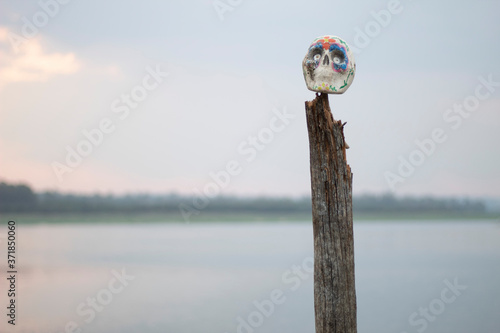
<point x="326" y="60"/>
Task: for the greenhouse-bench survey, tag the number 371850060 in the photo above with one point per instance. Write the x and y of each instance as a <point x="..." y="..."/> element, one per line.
<point x="11" y="244"/>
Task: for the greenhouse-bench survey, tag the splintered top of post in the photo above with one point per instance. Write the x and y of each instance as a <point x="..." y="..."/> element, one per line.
<point x="329" y="65"/>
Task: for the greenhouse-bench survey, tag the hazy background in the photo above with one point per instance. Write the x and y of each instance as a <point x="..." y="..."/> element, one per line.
<point x="232" y="66"/>
<point x="227" y="72"/>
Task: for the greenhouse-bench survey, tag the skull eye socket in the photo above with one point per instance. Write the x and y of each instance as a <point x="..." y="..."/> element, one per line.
<point x="339" y="58"/>
<point x="315" y="54"/>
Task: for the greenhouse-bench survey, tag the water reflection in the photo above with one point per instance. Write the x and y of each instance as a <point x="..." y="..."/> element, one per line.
<point x="209" y="277"/>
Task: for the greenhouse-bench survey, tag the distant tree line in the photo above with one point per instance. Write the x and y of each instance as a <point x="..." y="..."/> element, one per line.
<point x="390" y="203"/>
<point x="18" y="198"/>
<point x="21" y="198"/>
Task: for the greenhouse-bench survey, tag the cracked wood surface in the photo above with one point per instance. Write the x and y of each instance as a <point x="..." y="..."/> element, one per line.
<point x="331" y="183"/>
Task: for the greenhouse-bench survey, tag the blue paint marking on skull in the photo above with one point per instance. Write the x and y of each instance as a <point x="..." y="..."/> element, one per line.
<point x="339" y="53"/>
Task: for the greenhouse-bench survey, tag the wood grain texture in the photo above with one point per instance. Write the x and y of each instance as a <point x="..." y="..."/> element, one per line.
<point x="331" y="183"/>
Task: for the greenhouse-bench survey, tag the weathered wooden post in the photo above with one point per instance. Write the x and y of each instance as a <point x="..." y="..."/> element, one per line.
<point x="329" y="67"/>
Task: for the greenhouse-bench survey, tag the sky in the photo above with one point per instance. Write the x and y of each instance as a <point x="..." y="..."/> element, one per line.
<point x="207" y="96"/>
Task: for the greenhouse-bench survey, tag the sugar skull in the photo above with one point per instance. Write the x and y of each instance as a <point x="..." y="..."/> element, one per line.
<point x="329" y="65"/>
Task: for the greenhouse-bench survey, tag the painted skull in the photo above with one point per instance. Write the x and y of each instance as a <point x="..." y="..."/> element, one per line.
<point x="329" y="65"/>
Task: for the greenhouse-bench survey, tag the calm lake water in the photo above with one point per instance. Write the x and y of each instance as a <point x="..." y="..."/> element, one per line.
<point x="433" y="276"/>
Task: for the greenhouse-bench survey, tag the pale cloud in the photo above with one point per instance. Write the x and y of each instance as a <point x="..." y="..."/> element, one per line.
<point x="32" y="63"/>
<point x="4" y="32"/>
